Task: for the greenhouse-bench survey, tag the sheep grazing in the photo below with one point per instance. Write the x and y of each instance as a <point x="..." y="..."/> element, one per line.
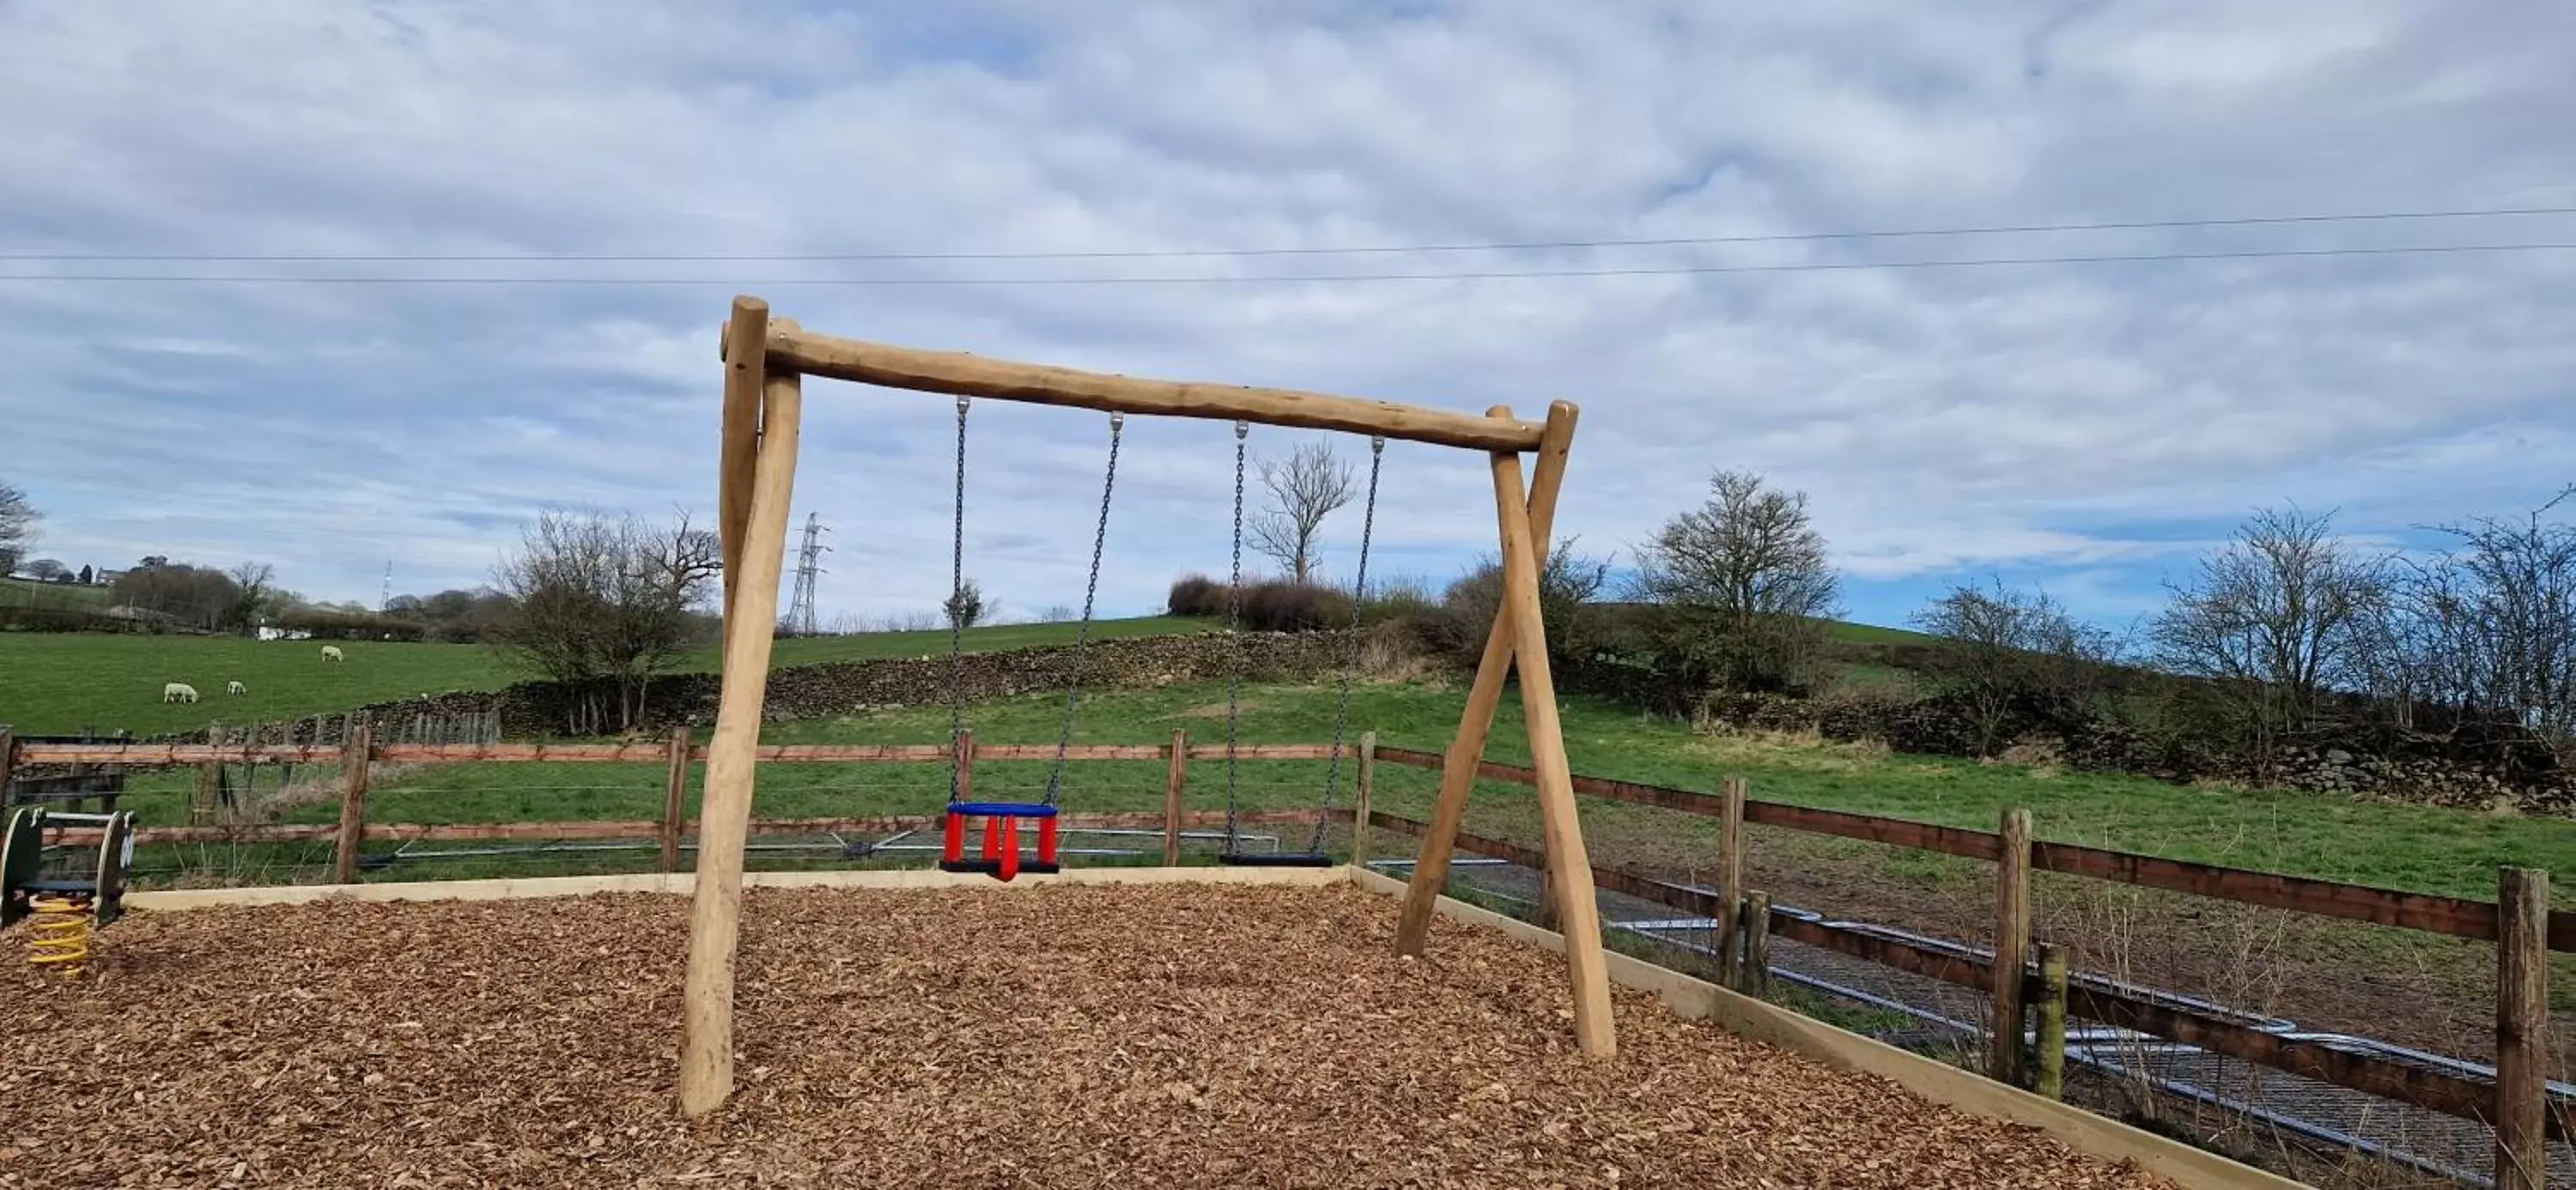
<point x="332" y="653"/>
<point x="235" y="688"/>
<point x="178" y="692"/>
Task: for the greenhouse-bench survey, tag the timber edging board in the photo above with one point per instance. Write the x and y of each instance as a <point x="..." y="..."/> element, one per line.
<point x="1755" y="1020"/>
<point x="2458" y="917"/>
<point x="680" y="883"/>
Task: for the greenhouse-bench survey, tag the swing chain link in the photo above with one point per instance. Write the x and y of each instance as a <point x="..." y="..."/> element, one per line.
<point x="956" y="626"/>
<point x="1082" y="635"/>
<point x="1359" y="603"/>
<point x="1234" y="641"/>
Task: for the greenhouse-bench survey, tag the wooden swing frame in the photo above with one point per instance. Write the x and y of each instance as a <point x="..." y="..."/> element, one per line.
<point x="766" y="360"/>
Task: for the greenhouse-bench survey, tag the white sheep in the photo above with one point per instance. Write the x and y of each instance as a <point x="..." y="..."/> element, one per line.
<point x="332" y="653"/>
<point x="235" y="688"/>
<point x="178" y="692"/>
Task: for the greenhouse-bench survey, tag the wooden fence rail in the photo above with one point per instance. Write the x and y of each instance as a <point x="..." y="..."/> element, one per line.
<point x="644" y="829"/>
<point x="2433" y="1090"/>
<point x="2458" y="917"/>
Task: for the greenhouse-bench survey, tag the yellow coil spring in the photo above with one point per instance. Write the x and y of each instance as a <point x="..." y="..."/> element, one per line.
<point x="58" y="933"/>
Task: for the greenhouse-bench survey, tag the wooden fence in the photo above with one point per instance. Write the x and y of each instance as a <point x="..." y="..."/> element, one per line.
<point x="358" y="753"/>
<point x="2516" y="1105"/>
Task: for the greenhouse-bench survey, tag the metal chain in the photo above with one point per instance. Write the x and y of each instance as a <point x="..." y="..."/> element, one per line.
<point x="1359" y="603"/>
<point x="1234" y="639"/>
<point x="956" y="626"/>
<point x="1082" y="636"/>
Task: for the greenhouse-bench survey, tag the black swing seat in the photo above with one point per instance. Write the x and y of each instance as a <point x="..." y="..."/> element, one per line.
<point x="1276" y="859"/>
<point x="993" y="867"/>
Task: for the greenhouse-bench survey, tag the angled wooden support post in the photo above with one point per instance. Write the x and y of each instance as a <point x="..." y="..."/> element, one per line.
<point x="1174" y="777"/>
<point x="2522" y="1029"/>
<point x="2051" y="1083"/>
<point x="1467" y="748"/>
<point x="1365" y="786"/>
<point x="1730" y="882"/>
<point x="1753" y="970"/>
<point x="1173" y="781"/>
<point x="1579" y="918"/>
<point x="675" y="792"/>
<point x="355" y="750"/>
<point x="724" y="819"/>
<point x="2012" y="947"/>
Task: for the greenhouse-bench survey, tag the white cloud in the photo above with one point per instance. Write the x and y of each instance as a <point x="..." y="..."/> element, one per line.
<point x="1946" y="420"/>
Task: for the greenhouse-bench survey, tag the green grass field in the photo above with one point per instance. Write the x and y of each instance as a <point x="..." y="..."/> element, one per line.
<point x="64" y="682"/>
<point x="2430" y="850"/>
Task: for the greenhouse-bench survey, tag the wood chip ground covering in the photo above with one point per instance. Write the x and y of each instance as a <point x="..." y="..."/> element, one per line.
<point x="1135" y="1037"/>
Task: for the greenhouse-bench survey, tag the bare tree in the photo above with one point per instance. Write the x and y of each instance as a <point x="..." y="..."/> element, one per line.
<point x="1304" y="488"/>
<point x="253" y="585"/>
<point x="18" y="519"/>
<point x="50" y="570"/>
<point x="602" y="604"/>
<point x="2274" y="620"/>
<point x="2487" y="629"/>
<point x="2010" y="654"/>
<point x="965" y="608"/>
<point x="1746" y="581"/>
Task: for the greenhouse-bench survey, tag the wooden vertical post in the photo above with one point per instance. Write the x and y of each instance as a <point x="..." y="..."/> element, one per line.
<point x="1365" y="786"/>
<point x="2052" y="1021"/>
<point x="724" y="817"/>
<point x="745" y="351"/>
<point x="201" y="801"/>
<point x="1174" y="777"/>
<point x="961" y="748"/>
<point x="675" y="793"/>
<point x="2012" y="947"/>
<point x="8" y="760"/>
<point x="1467" y="748"/>
<point x="1753" y="971"/>
<point x="2522" y="1028"/>
<point x="1547" y="914"/>
<point x="356" y="749"/>
<point x="1730" y="881"/>
<point x="1587" y="968"/>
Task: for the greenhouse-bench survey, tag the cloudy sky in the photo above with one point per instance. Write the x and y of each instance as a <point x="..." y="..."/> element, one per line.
<point x="2089" y="426"/>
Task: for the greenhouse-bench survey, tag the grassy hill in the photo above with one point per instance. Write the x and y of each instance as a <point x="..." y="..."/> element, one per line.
<point x="19" y="592"/>
<point x="65" y="682"/>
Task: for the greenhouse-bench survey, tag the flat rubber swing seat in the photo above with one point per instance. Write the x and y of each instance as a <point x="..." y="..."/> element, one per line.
<point x="1276" y="859"/>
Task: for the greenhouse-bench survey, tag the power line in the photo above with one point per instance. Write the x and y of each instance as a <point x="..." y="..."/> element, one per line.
<point x="1482" y="275"/>
<point x="1202" y="253"/>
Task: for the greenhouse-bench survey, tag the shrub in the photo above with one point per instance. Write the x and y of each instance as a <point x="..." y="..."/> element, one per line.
<point x="1403" y="599"/>
<point x="1280" y="605"/>
<point x="1196" y="595"/>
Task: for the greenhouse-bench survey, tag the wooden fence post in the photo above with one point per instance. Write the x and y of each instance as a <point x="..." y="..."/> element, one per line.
<point x="8" y="760"/>
<point x="962" y="751"/>
<point x="2052" y="1022"/>
<point x="1730" y="883"/>
<point x="675" y="792"/>
<point x="1175" y="777"/>
<point x="2522" y="1028"/>
<point x="1753" y="970"/>
<point x="2012" y="947"/>
<point x="1364" y="786"/>
<point x="1546" y="916"/>
<point x="355" y="755"/>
